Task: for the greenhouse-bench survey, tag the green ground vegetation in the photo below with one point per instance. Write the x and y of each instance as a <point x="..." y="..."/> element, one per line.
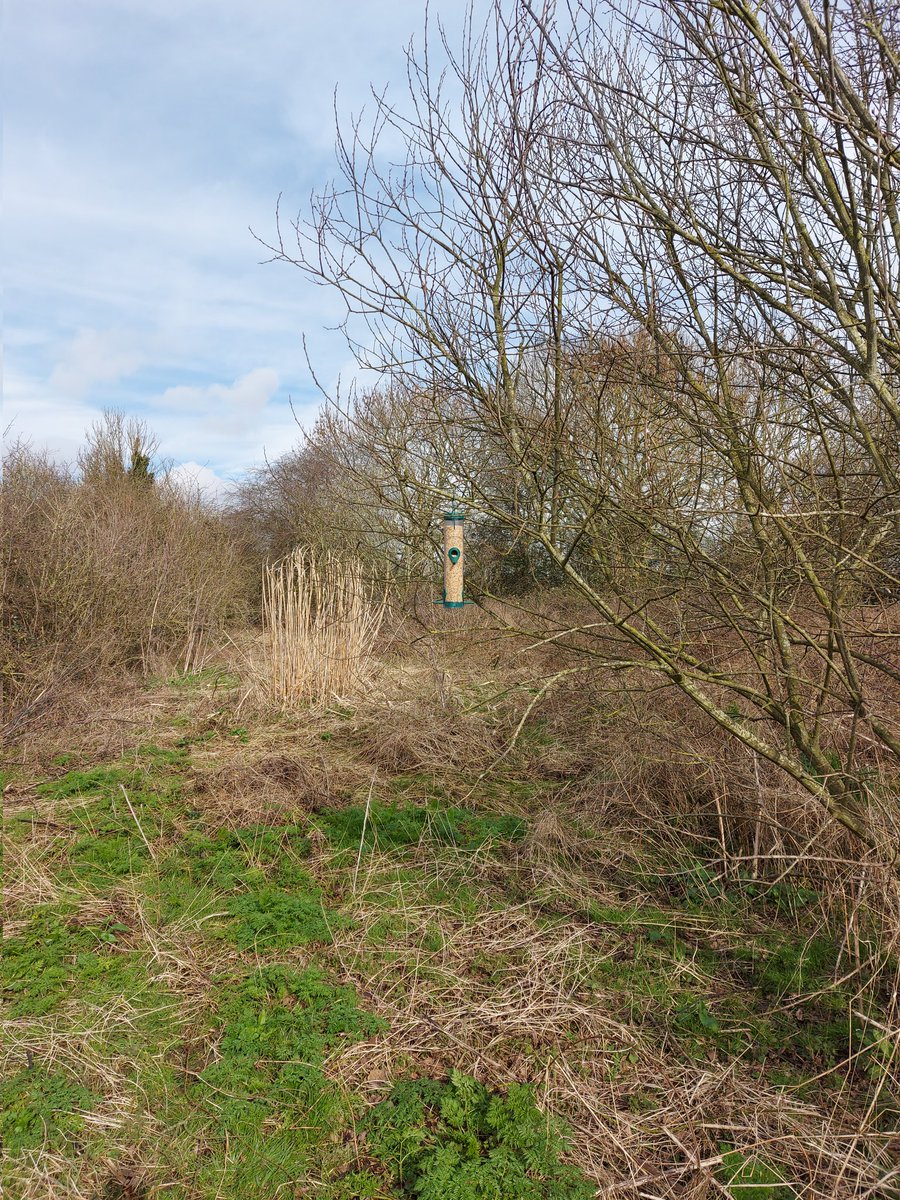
<point x="192" y="998"/>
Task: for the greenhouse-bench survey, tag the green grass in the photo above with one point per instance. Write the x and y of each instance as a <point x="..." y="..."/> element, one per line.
<point x="210" y="677"/>
<point x="171" y="757"/>
<point x="739" y="999"/>
<point x="234" y="1084"/>
<point x="95" y="781"/>
<point x="274" y="919"/>
<point x="40" y="962"/>
<point x="40" y="1108"/>
<point x="748" y="1177"/>
<point x="392" y="826"/>
<point x="267" y="1093"/>
<point x="272" y="1027"/>
<point x="253" y="875"/>
<point x="112" y="809"/>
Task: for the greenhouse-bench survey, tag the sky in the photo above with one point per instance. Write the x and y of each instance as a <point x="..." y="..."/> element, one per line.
<point x="142" y="141"/>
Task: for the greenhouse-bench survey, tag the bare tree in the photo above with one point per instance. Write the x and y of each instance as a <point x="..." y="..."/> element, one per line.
<point x="640" y="269"/>
<point x="118" y="448"/>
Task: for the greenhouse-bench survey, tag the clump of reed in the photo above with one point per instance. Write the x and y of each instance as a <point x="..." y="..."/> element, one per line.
<point x="322" y="617"/>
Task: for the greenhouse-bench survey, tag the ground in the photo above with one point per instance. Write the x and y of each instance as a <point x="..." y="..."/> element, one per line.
<point x="251" y="956"/>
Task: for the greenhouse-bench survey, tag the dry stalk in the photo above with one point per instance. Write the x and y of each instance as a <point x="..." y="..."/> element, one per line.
<point x="322" y="619"/>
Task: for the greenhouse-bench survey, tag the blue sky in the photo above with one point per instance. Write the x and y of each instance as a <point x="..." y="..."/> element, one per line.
<point x="141" y="139"/>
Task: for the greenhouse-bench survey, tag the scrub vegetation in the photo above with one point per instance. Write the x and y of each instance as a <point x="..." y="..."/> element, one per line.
<point x="591" y="887"/>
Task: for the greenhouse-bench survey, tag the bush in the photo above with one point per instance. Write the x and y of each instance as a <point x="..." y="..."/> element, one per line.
<point x="107" y="570"/>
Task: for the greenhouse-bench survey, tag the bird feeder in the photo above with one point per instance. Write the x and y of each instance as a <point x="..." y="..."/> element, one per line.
<point x="453" y="559"/>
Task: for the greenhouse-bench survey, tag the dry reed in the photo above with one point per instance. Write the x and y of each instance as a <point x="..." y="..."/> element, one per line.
<point x="322" y="617"/>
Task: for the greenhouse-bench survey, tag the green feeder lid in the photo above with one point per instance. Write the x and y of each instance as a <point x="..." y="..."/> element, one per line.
<point x="454" y="516"/>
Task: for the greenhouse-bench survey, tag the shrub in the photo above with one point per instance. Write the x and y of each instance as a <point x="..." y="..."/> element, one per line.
<point x="106" y="570"/>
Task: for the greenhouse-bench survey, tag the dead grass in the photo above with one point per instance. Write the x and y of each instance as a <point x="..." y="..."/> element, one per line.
<point x="623" y="795"/>
<point x="322" y="618"/>
<point x="271" y="788"/>
<point x="645" y="1124"/>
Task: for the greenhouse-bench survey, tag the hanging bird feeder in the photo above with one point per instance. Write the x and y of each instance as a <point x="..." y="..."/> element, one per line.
<point x="453" y="559"/>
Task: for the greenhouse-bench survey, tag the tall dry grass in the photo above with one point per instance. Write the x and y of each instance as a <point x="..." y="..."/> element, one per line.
<point x="322" y="618"/>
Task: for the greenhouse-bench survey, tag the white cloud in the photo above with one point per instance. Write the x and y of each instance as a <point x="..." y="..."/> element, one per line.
<point x="94" y="357"/>
<point x="234" y="408"/>
<point x="140" y="142"/>
<point x="228" y="427"/>
<point x="192" y="478"/>
<point x="44" y="420"/>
